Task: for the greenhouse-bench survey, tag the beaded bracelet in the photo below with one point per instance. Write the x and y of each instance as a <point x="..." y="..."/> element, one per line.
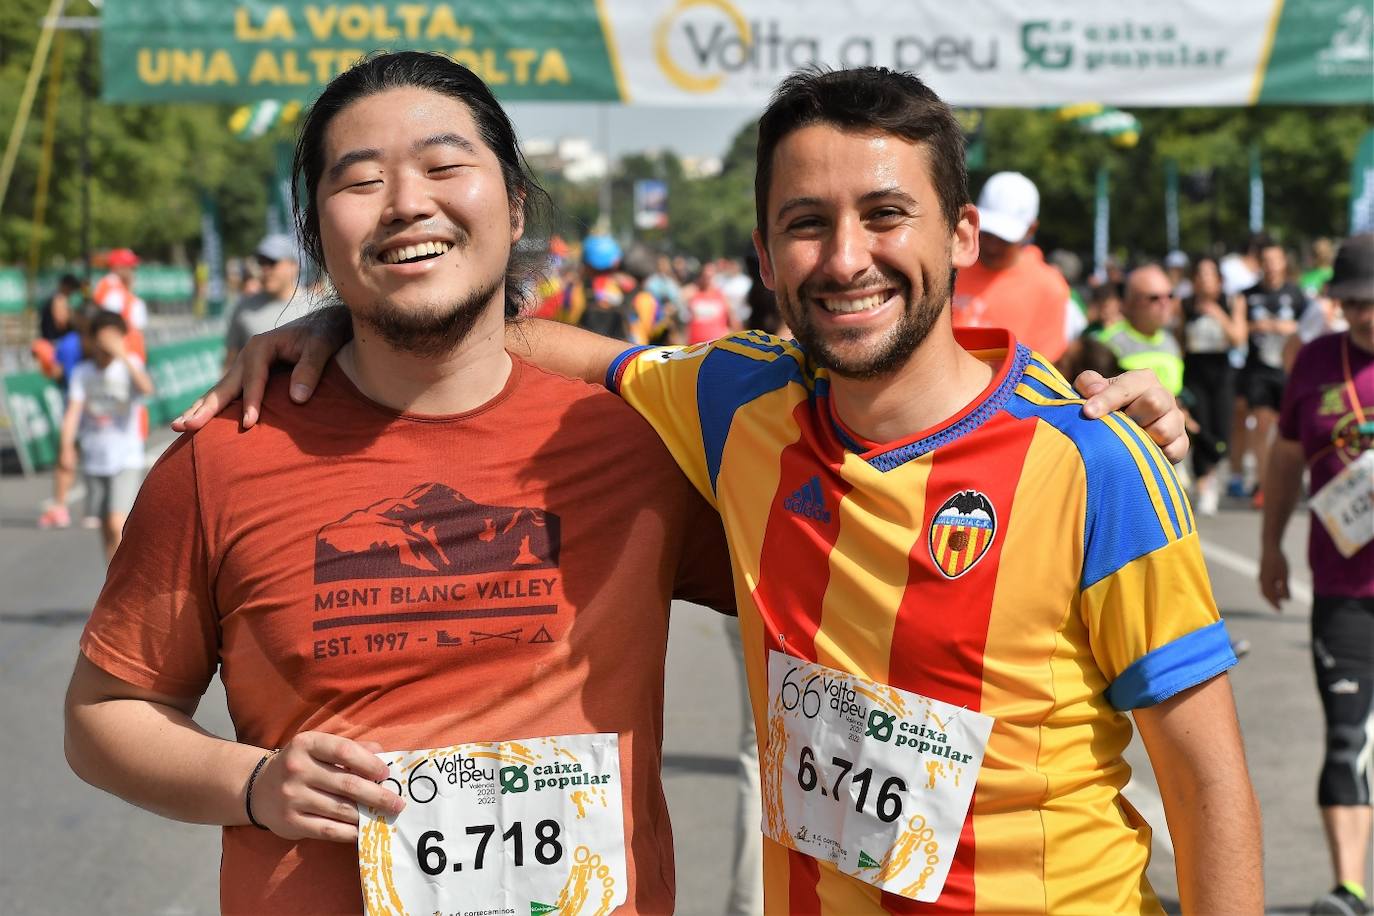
<point x="248" y="796"/>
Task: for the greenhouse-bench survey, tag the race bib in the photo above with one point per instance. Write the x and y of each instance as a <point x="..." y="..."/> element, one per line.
<point x="508" y="828"/>
<point x="874" y="779"/>
<point x="1346" y="505"/>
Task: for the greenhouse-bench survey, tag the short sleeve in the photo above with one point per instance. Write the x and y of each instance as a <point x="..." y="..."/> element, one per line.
<point x="660" y="383"/>
<point x="691" y="395"/>
<point x="154" y="624"/>
<point x="76" y="387"/>
<point x="1146" y="599"/>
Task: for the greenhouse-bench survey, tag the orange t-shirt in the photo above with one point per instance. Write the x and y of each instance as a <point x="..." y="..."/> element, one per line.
<point x="527" y="550"/>
<point x="1030" y="299"/>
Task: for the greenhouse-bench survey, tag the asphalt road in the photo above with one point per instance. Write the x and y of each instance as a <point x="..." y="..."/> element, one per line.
<point x="70" y="849"/>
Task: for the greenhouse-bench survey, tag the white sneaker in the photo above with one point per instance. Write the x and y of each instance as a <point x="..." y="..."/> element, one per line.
<point x="1208" y="496"/>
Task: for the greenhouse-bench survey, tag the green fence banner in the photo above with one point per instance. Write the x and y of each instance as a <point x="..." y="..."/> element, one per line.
<point x="1362" y="187"/>
<point x="13" y="290"/>
<point x="35" y="407"/>
<point x="158" y="283"/>
<point x="1035" y="53"/>
<point x="180" y="372"/>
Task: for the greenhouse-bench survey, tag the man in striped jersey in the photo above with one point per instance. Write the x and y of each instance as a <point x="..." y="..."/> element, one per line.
<point x="952" y="584"/>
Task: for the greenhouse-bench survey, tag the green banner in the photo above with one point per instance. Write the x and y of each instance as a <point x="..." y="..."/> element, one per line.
<point x="1362" y="187"/>
<point x="180" y="372"/>
<point x="13" y="292"/>
<point x="158" y="283"/>
<point x="207" y="50"/>
<point x="35" y="407"/>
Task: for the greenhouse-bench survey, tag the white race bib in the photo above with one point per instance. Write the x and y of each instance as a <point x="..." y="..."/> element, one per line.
<point x="875" y="779"/>
<point x="508" y="828"/>
<point x="1346" y="505"/>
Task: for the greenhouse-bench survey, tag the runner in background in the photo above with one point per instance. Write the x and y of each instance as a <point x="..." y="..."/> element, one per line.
<point x="114" y="292"/>
<point x="1211" y="328"/>
<point x="58" y="359"/>
<point x="281" y="300"/>
<point x="102" y="420"/>
<point x="1011" y="286"/>
<point x="1272" y="308"/>
<point x="55" y="317"/>
<point x="604" y="298"/>
<point x="1327" y="426"/>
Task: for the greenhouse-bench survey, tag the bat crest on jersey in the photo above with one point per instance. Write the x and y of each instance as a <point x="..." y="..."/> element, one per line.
<point x="961" y="532"/>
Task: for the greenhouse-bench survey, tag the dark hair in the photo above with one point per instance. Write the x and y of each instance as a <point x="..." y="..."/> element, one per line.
<point x="68" y="281"/>
<point x="1201" y="259"/>
<point x="420" y="70"/>
<point x="103" y="319"/>
<point x="866" y="99"/>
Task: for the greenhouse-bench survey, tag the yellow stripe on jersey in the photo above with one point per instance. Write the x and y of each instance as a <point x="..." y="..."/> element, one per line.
<point x="870" y="565"/>
<point x="1051" y="379"/>
<point x="1146" y="467"/>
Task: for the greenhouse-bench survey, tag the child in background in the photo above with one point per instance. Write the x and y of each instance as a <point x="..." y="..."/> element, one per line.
<point x="103" y="399"/>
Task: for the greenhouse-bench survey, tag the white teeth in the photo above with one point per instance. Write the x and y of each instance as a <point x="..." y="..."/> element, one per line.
<point x="409" y="252"/>
<point x="847" y="306"/>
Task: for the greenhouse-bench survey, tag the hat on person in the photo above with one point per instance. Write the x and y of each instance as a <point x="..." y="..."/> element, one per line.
<point x="122" y="257"/>
<point x="1176" y="258"/>
<point x="1352" y="273"/>
<point x="1008" y="205"/>
<point x="601" y="252"/>
<point x="278" y="247"/>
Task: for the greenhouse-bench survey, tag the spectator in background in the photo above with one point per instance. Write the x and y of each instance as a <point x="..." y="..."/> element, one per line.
<point x="58" y="359"/>
<point x="1272" y="307"/>
<point x="1141" y="340"/>
<point x="1176" y="266"/>
<point x="663" y="284"/>
<point x="1011" y="286"/>
<point x="735" y="284"/>
<point x="1210" y="330"/>
<point x="102" y="419"/>
<point x="279" y="264"/>
<point x="55" y="316"/>
<point x="1240" y="270"/>
<point x="115" y="293"/>
<point x="710" y="314"/>
<point x="1314" y="280"/>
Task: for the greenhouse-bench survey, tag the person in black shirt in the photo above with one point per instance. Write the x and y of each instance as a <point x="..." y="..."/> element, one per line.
<point x="55" y="317"/>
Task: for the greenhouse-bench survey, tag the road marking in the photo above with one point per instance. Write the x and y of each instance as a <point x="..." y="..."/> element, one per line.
<point x="1300" y="589"/>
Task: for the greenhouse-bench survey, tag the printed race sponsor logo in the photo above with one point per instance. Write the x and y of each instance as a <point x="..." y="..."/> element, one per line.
<point x="1115" y="46"/>
<point x="698" y="44"/>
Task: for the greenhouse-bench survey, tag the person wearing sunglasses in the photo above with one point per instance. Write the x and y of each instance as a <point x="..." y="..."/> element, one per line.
<point x="278" y="261"/>
<point x="1141" y="339"/>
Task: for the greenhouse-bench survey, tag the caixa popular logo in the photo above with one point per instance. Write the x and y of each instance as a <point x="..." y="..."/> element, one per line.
<point x="961" y="532"/>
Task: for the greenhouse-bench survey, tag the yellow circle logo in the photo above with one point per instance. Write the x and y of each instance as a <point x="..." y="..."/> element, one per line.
<point x="663" y="34"/>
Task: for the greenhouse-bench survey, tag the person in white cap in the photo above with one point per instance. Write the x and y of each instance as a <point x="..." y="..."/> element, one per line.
<point x="278" y="258"/>
<point x="1011" y="286"/>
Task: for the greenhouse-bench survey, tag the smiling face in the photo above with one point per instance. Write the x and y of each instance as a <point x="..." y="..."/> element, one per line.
<point x="415" y="222"/>
<point x="858" y="251"/>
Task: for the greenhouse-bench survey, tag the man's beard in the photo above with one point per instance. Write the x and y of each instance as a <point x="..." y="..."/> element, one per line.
<point x="891" y="350"/>
<point x="434" y="329"/>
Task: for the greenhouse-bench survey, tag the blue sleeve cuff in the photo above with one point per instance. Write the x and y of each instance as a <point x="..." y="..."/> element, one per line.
<point x="1172" y="668"/>
<point x="618" y="364"/>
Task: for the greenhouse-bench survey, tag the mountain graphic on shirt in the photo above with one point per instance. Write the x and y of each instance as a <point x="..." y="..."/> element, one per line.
<point x="434" y="531"/>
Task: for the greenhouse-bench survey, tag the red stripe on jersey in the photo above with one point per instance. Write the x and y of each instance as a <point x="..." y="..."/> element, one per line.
<point x="794" y="572"/>
<point x="942" y="624"/>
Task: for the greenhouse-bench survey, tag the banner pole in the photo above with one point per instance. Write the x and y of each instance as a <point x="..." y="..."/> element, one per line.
<point x="21" y="117"/>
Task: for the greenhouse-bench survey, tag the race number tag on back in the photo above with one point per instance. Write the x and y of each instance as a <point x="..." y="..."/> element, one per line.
<point x="874" y="779"/>
<point x="516" y="828"/>
<point x="1346" y="505"/>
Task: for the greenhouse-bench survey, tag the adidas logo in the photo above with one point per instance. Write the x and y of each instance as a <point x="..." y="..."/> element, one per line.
<point x="808" y="501"/>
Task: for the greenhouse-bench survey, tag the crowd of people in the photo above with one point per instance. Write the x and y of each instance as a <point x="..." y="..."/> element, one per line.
<point x="892" y="357"/>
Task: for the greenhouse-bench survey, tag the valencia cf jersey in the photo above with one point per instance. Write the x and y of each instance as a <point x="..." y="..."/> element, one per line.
<point x="1018" y="560"/>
